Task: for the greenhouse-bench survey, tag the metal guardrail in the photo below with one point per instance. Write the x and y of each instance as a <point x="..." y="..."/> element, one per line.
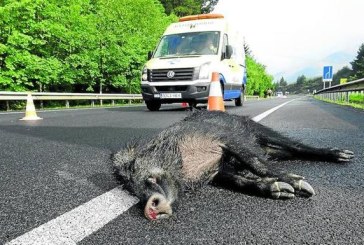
<point x="66" y="96"/>
<point x="357" y="85"/>
<point x="43" y="96"/>
<point x="342" y="92"/>
<point x="9" y="96"/>
<point x="251" y="97"/>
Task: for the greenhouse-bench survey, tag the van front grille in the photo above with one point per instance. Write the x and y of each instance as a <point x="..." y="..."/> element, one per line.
<point x="179" y="74"/>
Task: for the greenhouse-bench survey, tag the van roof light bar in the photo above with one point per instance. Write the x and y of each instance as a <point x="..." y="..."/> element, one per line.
<point x="201" y="17"/>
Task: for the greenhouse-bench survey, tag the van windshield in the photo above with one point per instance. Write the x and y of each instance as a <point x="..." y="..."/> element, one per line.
<point x="182" y="44"/>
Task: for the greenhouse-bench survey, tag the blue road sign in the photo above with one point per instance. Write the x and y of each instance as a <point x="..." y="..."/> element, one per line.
<point x="327" y="75"/>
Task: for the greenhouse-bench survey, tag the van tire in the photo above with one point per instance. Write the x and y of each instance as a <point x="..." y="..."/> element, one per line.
<point x="239" y="101"/>
<point x="153" y="105"/>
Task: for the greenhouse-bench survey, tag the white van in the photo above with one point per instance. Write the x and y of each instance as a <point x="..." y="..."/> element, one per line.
<point x="180" y="68"/>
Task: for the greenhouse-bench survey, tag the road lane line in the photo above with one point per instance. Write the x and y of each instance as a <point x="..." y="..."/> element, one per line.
<point x="266" y="113"/>
<point x="77" y="224"/>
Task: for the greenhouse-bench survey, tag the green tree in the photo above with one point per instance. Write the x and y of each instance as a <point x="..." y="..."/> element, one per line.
<point x="282" y="85"/>
<point x="77" y="45"/>
<point x="208" y="6"/>
<point x="125" y="36"/>
<point x="188" y="7"/>
<point x="275" y="86"/>
<point x="315" y="84"/>
<point x="344" y="72"/>
<point x="259" y="81"/>
<point x="247" y="50"/>
<point x="358" y="64"/>
<point x="41" y="43"/>
<point x="301" y="80"/>
<point x="282" y="82"/>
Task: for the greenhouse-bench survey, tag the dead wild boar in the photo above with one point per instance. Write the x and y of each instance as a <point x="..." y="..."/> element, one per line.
<point x="217" y="147"/>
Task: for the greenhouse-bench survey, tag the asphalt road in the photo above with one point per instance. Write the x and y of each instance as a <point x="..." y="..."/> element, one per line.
<point x="52" y="166"/>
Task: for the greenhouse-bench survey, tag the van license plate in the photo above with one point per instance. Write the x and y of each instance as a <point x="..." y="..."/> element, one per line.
<point x="170" y="95"/>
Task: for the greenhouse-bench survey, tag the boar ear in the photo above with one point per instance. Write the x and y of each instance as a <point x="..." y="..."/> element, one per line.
<point x="123" y="163"/>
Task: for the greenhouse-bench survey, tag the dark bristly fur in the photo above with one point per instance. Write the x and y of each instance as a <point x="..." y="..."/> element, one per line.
<point x="214" y="146"/>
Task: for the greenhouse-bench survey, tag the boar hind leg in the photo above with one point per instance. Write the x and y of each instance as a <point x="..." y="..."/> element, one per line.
<point x="304" y="152"/>
<point x="281" y="147"/>
<point x="268" y="182"/>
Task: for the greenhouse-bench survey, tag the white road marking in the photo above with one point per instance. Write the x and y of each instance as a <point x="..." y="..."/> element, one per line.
<point x="264" y="114"/>
<point x="80" y="222"/>
<point x="77" y="224"/>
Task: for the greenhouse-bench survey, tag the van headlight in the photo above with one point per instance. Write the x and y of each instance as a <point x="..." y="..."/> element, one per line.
<point x="145" y="74"/>
<point x="205" y="71"/>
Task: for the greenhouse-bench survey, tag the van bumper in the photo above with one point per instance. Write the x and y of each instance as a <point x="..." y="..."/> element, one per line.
<point x="180" y="93"/>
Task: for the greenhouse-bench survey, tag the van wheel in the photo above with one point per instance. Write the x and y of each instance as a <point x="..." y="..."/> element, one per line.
<point x="153" y="105"/>
<point x="239" y="101"/>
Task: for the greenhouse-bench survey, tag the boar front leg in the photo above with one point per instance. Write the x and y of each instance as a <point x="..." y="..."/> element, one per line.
<point x="268" y="187"/>
<point x="268" y="182"/>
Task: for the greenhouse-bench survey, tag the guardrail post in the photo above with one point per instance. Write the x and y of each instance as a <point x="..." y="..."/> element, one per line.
<point x="100" y="102"/>
<point x="7" y="106"/>
<point x="67" y="104"/>
<point x="92" y="103"/>
<point x="113" y="102"/>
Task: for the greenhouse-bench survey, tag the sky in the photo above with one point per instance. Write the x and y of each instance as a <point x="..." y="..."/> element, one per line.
<point x="298" y="37"/>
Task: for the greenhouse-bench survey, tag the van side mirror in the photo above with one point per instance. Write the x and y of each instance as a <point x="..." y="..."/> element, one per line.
<point x="150" y="55"/>
<point x="229" y="51"/>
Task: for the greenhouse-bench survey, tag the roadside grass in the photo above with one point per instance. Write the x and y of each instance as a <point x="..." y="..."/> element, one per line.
<point x="355" y="101"/>
<point x="357" y="98"/>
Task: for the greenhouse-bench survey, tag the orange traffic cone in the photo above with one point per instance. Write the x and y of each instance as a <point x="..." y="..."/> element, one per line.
<point x="215" y="101"/>
<point x="30" y="113"/>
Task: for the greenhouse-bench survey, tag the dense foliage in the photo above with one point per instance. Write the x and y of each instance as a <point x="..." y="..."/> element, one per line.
<point x="259" y="81"/>
<point x="358" y="64"/>
<point x="77" y="45"/>
<point x="188" y="7"/>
